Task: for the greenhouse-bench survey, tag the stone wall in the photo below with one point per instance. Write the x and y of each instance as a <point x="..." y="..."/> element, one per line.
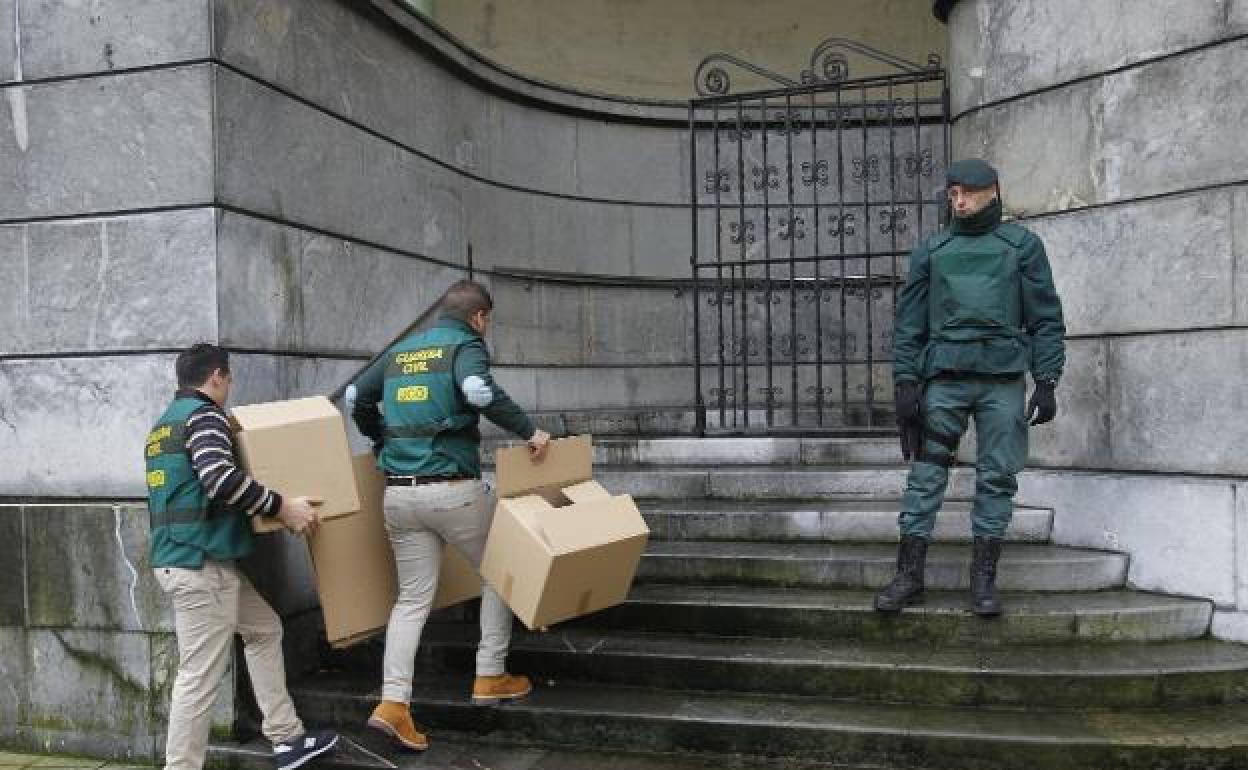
<point x="1118" y="129"/>
<point x="296" y="180"/>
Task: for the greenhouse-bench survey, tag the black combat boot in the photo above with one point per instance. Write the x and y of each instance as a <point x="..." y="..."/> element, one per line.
<point x="907" y="586"/>
<point x="984" y="601"/>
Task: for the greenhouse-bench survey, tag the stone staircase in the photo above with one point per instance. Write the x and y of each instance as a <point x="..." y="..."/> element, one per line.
<point x="749" y="641"/>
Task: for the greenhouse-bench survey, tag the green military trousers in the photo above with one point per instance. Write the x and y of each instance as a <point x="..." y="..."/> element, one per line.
<point x="1001" y="451"/>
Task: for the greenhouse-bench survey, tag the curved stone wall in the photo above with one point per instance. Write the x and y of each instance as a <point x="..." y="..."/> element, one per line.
<point x="1118" y="129"/>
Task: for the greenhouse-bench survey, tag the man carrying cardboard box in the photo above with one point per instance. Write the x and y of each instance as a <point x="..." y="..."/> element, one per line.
<point x="433" y="386"/>
<point x="201" y="503"/>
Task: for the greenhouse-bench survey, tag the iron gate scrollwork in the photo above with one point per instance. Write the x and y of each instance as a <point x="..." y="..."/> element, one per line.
<point x="806" y="199"/>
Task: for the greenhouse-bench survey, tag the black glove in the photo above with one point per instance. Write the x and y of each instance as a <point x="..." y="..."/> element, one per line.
<point x="1043" y="404"/>
<point x="909" y="419"/>
<point x="907" y="396"/>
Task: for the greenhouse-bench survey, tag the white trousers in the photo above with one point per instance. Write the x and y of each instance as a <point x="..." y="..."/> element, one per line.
<point x="210" y="605"/>
<point x="420" y="520"/>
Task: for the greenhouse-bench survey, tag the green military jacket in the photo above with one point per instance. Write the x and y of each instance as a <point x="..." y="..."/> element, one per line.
<point x="979" y="299"/>
<point x="432" y="387"/>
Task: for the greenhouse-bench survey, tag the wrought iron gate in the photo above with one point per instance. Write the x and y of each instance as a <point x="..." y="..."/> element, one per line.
<point x="806" y="200"/>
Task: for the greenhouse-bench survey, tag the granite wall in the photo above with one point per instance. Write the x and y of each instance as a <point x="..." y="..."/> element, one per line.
<point x="296" y="180"/>
<point x="1118" y="129"/>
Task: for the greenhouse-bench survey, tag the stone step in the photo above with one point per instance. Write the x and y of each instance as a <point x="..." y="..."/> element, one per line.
<point x="662" y="452"/>
<point x="368" y="750"/>
<point x="696" y="482"/>
<point x="623" y="719"/>
<point x="1119" y="675"/>
<point x="845" y="614"/>
<point x="681" y="420"/>
<point x="1023" y="567"/>
<point x="820" y="520"/>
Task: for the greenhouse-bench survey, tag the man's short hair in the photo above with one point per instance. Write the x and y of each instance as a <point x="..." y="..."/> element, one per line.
<point x="465" y="298"/>
<point x="197" y="363"/>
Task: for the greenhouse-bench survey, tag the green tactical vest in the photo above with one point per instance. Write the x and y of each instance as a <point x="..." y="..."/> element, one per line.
<point x="430" y="431"/>
<point x="187" y="527"/>
<point x="974" y="303"/>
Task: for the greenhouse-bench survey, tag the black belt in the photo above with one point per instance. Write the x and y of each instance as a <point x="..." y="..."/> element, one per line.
<point x="419" y="481"/>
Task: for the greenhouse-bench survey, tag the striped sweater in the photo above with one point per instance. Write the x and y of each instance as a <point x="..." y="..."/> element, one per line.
<point x="210" y="443"/>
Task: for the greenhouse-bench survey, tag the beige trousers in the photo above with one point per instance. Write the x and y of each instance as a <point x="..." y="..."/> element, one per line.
<point x="210" y="605"/>
<point x="420" y="520"/>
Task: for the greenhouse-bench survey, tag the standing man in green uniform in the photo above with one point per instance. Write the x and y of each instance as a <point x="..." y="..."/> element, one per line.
<point x="432" y="387"/>
<point x="978" y="311"/>
<point x="201" y="503"/>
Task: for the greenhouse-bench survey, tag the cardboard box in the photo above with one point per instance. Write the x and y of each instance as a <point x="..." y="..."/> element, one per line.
<point x="354" y="565"/>
<point x="560" y="546"/>
<point x="298" y="448"/>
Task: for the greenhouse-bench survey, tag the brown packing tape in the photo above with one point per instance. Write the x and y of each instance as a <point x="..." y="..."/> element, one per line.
<point x="582" y="606"/>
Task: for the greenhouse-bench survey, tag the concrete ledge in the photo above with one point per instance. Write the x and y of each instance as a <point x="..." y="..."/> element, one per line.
<point x="1180" y="532"/>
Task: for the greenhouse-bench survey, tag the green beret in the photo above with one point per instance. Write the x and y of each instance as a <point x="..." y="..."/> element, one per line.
<point x="971" y="173"/>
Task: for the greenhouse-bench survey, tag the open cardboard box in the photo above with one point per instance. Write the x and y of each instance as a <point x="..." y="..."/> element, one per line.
<point x="560" y="546"/>
<point x="354" y="565"/>
<point x="298" y="448"/>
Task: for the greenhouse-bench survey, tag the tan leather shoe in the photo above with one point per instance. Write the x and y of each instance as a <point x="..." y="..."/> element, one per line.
<point x="394" y="719"/>
<point x="495" y="689"/>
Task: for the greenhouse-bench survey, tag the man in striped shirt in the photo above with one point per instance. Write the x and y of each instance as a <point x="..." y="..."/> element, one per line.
<point x="201" y="503"/>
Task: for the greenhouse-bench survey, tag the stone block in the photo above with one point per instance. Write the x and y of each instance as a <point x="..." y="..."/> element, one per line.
<point x="1239" y="248"/>
<point x="381" y="80"/>
<point x="1178" y="531"/>
<point x="9" y="57"/>
<point x="14" y="677"/>
<point x="13" y="553"/>
<point x="532" y="148"/>
<point x="269" y="146"/>
<point x="1000" y="50"/>
<point x="91" y="685"/>
<point x="1230" y="626"/>
<point x="1127" y="135"/>
<point x="136" y="140"/>
<point x="285" y="288"/>
<point x="87" y="567"/>
<point x="76" y="425"/>
<point x="595" y="387"/>
<point x="1143" y="266"/>
<point x="60" y="38"/>
<point x="1175" y="124"/>
<point x="537" y="323"/>
<point x="1167" y="389"/>
<point x="139" y="281"/>
<point x="1241" y="545"/>
<point x="1046" y="148"/>
<point x="631" y="162"/>
<point x="261" y="377"/>
<point x="1080" y="435"/>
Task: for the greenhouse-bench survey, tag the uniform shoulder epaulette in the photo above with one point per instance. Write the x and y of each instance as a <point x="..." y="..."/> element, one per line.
<point x="938" y="240"/>
<point x="1013" y="234"/>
